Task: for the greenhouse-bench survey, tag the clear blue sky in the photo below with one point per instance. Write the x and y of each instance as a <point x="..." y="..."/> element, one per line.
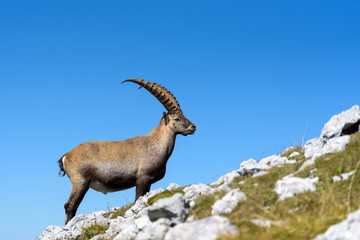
<point x="250" y="74"/>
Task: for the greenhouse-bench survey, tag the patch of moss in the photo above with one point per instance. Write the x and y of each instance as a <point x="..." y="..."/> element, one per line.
<point x="203" y="204"/>
<point x="164" y="194"/>
<point x="91" y="231"/>
<point x="120" y="212"/>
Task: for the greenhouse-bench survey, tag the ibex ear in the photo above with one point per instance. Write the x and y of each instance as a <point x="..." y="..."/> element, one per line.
<point x="166" y="118"/>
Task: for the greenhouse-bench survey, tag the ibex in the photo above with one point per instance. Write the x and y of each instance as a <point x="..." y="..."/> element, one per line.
<point x="109" y="166"/>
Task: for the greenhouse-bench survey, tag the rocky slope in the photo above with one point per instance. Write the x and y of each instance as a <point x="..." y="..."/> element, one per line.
<point x="281" y="196"/>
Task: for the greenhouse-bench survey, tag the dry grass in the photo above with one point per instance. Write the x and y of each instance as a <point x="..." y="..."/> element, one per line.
<point x="306" y="215"/>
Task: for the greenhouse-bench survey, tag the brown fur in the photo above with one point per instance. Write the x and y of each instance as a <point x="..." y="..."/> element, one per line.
<point x="109" y="166"/>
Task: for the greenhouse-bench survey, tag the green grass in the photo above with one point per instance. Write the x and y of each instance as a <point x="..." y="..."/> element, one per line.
<point x="120" y="212"/>
<point x="91" y="231"/>
<point x="164" y="194"/>
<point x="304" y="215"/>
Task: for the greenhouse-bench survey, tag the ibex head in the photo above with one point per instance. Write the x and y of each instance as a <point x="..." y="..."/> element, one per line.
<point x="175" y="118"/>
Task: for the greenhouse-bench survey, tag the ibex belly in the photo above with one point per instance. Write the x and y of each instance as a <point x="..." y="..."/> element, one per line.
<point x="112" y="181"/>
<point x="101" y="187"/>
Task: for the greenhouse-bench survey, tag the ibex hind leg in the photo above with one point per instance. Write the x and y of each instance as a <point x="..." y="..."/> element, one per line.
<point x="78" y="192"/>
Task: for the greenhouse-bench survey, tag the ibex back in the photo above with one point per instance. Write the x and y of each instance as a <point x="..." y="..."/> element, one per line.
<point x="109" y="166"/>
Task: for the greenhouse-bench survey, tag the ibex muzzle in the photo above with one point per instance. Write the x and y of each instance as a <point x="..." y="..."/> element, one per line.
<point x="109" y="166"/>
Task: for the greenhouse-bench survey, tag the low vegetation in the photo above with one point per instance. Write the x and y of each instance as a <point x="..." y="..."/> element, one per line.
<point x="303" y="216"/>
<point x="164" y="194"/>
<point x="91" y="231"/>
<point x="306" y="215"/>
<point x="118" y="213"/>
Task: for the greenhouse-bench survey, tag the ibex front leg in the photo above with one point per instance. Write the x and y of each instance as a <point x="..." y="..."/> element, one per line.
<point x="143" y="185"/>
<point x="78" y="192"/>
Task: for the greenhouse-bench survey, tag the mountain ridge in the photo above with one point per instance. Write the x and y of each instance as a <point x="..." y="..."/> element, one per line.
<point x="298" y="194"/>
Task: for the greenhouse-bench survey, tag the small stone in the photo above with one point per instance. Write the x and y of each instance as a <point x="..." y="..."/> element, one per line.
<point x="193" y="191"/>
<point x="294" y="154"/>
<point x="172" y="186"/>
<point x="209" y="228"/>
<point x="171" y="208"/>
<point x="265" y="222"/>
<point x="288" y="187"/>
<point x="228" y="202"/>
<point x="342" y="177"/>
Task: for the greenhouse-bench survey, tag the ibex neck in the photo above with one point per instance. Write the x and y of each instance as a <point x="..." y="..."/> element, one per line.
<point x="164" y="137"/>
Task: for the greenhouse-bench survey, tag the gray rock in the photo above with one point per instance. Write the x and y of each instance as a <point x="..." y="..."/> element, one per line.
<point x="142" y="222"/>
<point x="251" y="166"/>
<point x="228" y="202"/>
<point x="122" y="228"/>
<point x="342" y="123"/>
<point x="208" y="229"/>
<point x="288" y="187"/>
<point x="335" y="134"/>
<point x="173" y="207"/>
<point x="138" y="209"/>
<point x="349" y="229"/>
<point x="342" y="177"/>
<point x="74" y="227"/>
<point x="193" y="191"/>
<point x="154" y="230"/>
<point x="55" y="232"/>
<point x="317" y="147"/>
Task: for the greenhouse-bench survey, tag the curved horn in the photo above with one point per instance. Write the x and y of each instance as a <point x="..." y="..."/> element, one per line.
<point x="160" y="92"/>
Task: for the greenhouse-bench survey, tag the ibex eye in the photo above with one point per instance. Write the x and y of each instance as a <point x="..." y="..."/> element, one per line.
<point x="177" y="119"/>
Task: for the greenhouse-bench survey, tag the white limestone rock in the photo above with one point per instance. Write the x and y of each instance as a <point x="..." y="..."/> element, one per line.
<point x="288" y="187"/>
<point x="193" y="191"/>
<point x="336" y="126"/>
<point x="74" y="227"/>
<point x="342" y="177"/>
<point x="155" y="230"/>
<point x="349" y="229"/>
<point x="207" y="229"/>
<point x="287" y="150"/>
<point x="266" y="222"/>
<point x="335" y="134"/>
<point x="173" y="207"/>
<point x="294" y="154"/>
<point x="139" y="206"/>
<point x="122" y="229"/>
<point x="227" y="178"/>
<point x="258" y="174"/>
<point x="228" y="202"/>
<point x="318" y="147"/>
<point x="55" y="232"/>
<point x="276" y="160"/>
<point x="251" y="166"/>
<point x="172" y="186"/>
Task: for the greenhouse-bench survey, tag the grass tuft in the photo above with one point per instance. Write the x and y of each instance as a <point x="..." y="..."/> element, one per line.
<point x="164" y="194"/>
<point x="119" y="213"/>
<point x="305" y="215"/>
<point x="91" y="231"/>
